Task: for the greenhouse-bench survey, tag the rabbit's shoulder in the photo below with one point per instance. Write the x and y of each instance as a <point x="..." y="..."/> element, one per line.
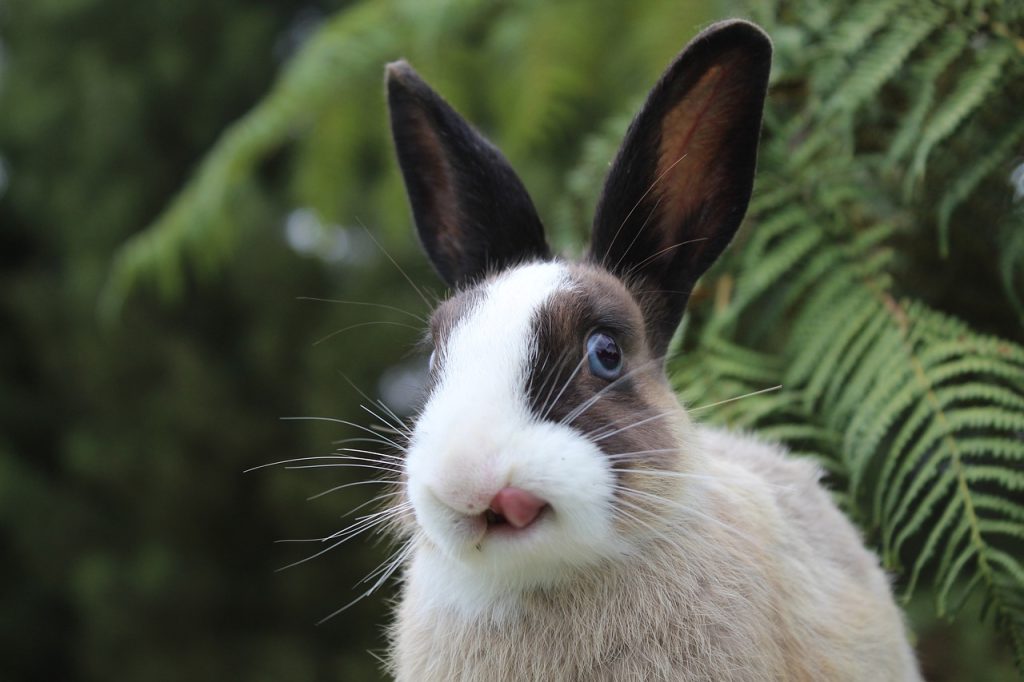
<point x="808" y="519"/>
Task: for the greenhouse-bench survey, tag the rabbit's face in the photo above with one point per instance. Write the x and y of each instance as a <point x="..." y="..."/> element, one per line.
<point x="545" y="405"/>
<point x="550" y="439"/>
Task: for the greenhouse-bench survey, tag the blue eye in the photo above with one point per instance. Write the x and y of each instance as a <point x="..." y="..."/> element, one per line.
<point x="604" y="356"/>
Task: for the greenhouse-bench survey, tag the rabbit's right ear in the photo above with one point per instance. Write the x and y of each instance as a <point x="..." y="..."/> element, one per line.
<point x="679" y="187"/>
<point x="472" y="213"/>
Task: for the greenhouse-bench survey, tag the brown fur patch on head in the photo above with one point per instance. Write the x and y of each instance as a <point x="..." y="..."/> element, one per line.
<point x="632" y="419"/>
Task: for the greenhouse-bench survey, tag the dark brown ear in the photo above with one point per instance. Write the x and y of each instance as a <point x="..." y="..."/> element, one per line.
<point x="472" y="213"/>
<point x="680" y="185"/>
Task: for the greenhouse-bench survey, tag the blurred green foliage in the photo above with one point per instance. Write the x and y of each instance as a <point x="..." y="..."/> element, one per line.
<point x="135" y="547"/>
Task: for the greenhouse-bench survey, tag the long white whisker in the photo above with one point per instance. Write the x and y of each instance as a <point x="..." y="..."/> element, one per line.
<point x="346" y="465"/>
<point x="290" y="461"/>
<point x="395" y="263"/>
<point x="687" y="510"/>
<point x="357" y="325"/>
<point x="552" y="379"/>
<point x="369" y="521"/>
<point x="586" y="405"/>
<point x="618" y="456"/>
<point x="639" y="231"/>
<point x="395" y="563"/>
<point x="647" y="260"/>
<point x="398" y="427"/>
<point x="377" y="455"/>
<point x="680" y="474"/>
<point x="398" y="420"/>
<point x="633" y="425"/>
<point x="340" y="542"/>
<point x="348" y="485"/>
<point x="655" y="532"/>
<point x="564" y="387"/>
<point x="361" y="439"/>
<point x="334" y="420"/>
<point x="740" y="397"/>
<point x="375" y="498"/>
<point x="416" y="317"/>
<point x="637" y="205"/>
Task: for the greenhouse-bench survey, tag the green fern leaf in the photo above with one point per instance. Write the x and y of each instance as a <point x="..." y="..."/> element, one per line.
<point x="975" y="85"/>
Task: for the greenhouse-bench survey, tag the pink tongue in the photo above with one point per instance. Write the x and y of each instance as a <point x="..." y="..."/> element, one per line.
<point x="519" y="507"/>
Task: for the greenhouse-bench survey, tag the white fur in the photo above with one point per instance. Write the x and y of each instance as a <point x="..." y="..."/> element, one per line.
<point x="476" y="435"/>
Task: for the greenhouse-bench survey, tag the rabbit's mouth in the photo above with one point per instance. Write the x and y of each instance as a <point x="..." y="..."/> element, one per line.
<point x="514" y="509"/>
<point x="499" y="523"/>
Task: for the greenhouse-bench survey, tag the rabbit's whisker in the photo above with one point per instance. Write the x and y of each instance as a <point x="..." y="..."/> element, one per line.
<point x="360" y="439"/>
<point x="605" y="435"/>
<point x="632" y="456"/>
<point x="402" y="272"/>
<point x="379" y="455"/>
<point x="334" y="420"/>
<point x="398" y="420"/>
<point x="568" y="381"/>
<point x="686" y="509"/>
<point x="679" y="474"/>
<point x="398" y="424"/>
<point x="347" y="465"/>
<point x="647" y="260"/>
<point x="604" y="260"/>
<point x="551" y="380"/>
<point x="369" y="521"/>
<point x="586" y="405"/>
<point x="352" y="531"/>
<point x="375" y="498"/>
<point x="739" y="397"/>
<point x="392" y="564"/>
<point x="290" y="461"/>
<point x="396" y="309"/>
<point x="650" y="214"/>
<point x="655" y="532"/>
<point x="357" y="325"/>
<point x="399" y="427"/>
<point x="349" y="485"/>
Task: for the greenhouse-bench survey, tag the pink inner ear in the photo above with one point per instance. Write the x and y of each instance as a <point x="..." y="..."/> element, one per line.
<point x="694" y="135"/>
<point x="437" y="172"/>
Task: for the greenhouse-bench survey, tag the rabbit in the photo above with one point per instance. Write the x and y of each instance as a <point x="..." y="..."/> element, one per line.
<point x="565" y="518"/>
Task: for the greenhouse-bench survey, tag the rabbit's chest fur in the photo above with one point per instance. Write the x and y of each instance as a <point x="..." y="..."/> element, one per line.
<point x="768" y="581"/>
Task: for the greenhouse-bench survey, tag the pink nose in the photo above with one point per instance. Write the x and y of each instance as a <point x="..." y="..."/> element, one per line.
<point x="519" y="507"/>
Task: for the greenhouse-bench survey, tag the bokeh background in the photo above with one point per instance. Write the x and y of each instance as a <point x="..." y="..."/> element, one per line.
<point x="137" y="386"/>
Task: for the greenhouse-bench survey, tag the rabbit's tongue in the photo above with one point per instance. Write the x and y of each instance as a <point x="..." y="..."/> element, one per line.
<point x="518" y="507"/>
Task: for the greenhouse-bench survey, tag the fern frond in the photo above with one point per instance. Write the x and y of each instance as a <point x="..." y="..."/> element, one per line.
<point x="197" y="228"/>
<point x="974" y="86"/>
<point x="877" y="65"/>
<point x="926" y="74"/>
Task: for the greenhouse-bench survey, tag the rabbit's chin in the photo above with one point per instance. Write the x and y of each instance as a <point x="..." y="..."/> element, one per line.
<point x="450" y="495"/>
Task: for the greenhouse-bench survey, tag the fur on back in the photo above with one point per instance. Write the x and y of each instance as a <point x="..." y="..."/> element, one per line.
<point x="769" y="582"/>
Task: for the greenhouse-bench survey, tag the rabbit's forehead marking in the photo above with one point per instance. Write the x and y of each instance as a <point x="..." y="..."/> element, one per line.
<point x="484" y="335"/>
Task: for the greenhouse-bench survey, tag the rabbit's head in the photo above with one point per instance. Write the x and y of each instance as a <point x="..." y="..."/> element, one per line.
<point x="549" y="435"/>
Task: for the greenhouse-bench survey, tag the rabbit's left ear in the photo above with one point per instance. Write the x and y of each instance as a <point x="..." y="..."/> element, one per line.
<point x="679" y="187"/>
<point x="472" y="213"/>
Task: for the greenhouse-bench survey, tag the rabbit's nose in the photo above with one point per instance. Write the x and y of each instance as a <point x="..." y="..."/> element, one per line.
<point x="518" y="507"/>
